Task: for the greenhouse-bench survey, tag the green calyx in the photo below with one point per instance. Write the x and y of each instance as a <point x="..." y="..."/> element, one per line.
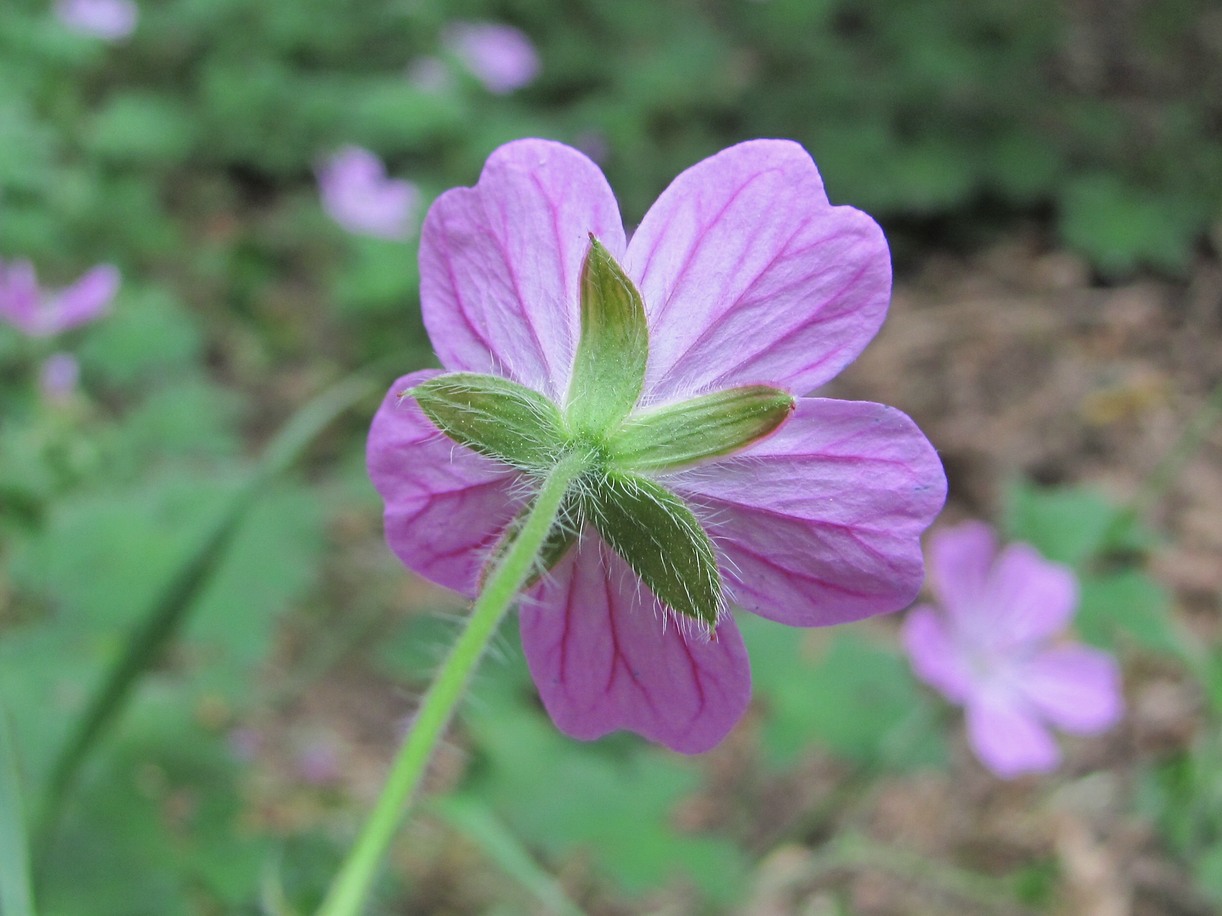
<point x="623" y="445"/>
<point x="708" y="426"/>
<point x="609" y="368"/>
<point x="495" y="417"/>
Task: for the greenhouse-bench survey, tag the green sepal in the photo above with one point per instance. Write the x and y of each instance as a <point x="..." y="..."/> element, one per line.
<point x="609" y="368"/>
<point x="660" y="538"/>
<point x="495" y="417"/>
<point x="562" y="535"/>
<point x="703" y="427"/>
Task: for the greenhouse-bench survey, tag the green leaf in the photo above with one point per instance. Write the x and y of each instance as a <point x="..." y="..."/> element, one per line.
<point x="704" y="427"/>
<point x="855" y="699"/>
<point x="609" y="370"/>
<point x="1120" y="225"/>
<point x="494" y="416"/>
<point x="1125" y="605"/>
<point x="472" y="818"/>
<point x="16" y="897"/>
<point x="142" y="128"/>
<point x="661" y="539"/>
<point x="1071" y="525"/>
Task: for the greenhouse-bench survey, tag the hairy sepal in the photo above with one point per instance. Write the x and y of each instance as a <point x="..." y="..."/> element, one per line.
<point x="495" y="417"/>
<point x="609" y="368"/>
<point x="708" y="426"/>
<point x="660" y="539"/>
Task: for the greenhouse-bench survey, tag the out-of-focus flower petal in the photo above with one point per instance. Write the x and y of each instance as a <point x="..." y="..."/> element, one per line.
<point x="446" y="506"/>
<point x="500" y="263"/>
<point x="606" y="656"/>
<point x="1076" y="688"/>
<point x="357" y="194"/>
<point x="86" y="299"/>
<point x="58" y="377"/>
<point x="935" y="657"/>
<point x="20" y="297"/>
<point x="750" y="276"/>
<point x="1009" y="738"/>
<point x="500" y="56"/>
<point x="43" y="314"/>
<point x="960" y="559"/>
<point x="820" y="523"/>
<point x="110" y="20"/>
<point x="1029" y="598"/>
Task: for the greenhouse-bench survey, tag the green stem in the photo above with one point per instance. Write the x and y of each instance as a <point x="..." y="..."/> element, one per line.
<point x="352" y="884"/>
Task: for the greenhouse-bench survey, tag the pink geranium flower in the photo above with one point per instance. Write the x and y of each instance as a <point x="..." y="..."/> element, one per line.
<point x="44" y="313"/>
<point x="748" y="276"/>
<point x="357" y="194"/>
<point x="995" y="648"/>
<point x="499" y="56"/>
<point x="110" y="20"/>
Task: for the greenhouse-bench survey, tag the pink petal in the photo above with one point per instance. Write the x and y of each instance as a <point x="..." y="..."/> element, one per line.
<point x="960" y="559"/>
<point x="107" y="19"/>
<point x="1028" y="598"/>
<point x="1076" y="688"/>
<point x="20" y="296"/>
<point x="1008" y="738"/>
<point x="820" y="523"/>
<point x="500" y="262"/>
<point x="86" y="299"/>
<point x="750" y="275"/>
<point x="357" y="194"/>
<point x="500" y="56"/>
<point x="446" y="506"/>
<point x="605" y="656"/>
<point x="934" y="656"/>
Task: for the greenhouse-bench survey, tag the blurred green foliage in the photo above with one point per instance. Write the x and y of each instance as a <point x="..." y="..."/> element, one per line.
<point x="935" y="110"/>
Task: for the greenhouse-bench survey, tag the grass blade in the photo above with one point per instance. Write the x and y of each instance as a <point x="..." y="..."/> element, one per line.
<point x="154" y="632"/>
<point x="476" y="822"/>
<point x="16" y="897"/>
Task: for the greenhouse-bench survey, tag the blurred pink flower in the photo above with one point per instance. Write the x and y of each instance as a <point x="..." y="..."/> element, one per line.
<point x="110" y="20"/>
<point x="500" y="56"/>
<point x="41" y="313"/>
<point x="58" y="377"/>
<point x="318" y="761"/>
<point x="358" y="195"/>
<point x="748" y="276"/>
<point x="993" y="647"/>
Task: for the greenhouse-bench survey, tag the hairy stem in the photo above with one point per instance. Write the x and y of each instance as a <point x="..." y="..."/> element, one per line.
<point x="356" y="875"/>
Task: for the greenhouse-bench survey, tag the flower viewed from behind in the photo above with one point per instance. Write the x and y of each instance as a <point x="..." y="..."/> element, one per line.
<point x="995" y="648"/>
<point x="357" y="194"/>
<point x="499" y="56"/>
<point x="672" y="365"/>
<point x="110" y="20"/>
<point x="44" y="313"/>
